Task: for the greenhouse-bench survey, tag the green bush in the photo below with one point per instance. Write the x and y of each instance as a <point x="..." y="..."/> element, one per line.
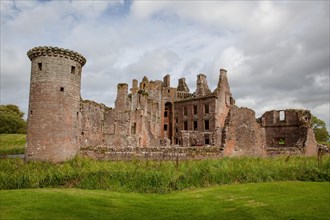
<point x="11" y="121"/>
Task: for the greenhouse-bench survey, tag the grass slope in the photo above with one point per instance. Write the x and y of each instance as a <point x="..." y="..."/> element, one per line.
<point x="277" y="200"/>
<point x="12" y="143"/>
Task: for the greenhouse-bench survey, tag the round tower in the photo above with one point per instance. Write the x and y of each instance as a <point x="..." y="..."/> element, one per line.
<point x="53" y="117"/>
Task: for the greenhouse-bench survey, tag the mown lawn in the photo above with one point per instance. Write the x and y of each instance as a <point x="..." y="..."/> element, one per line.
<point x="276" y="200"/>
<point x="12" y="143"/>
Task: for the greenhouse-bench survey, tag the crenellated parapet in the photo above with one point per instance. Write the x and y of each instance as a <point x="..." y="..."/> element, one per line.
<point x="56" y="52"/>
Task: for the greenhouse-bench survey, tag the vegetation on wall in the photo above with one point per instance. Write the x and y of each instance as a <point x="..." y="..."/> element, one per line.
<point x="11" y="120"/>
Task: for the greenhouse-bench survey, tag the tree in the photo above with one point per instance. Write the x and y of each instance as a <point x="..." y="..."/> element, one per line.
<point x="320" y="131"/>
<point x="11" y="120"/>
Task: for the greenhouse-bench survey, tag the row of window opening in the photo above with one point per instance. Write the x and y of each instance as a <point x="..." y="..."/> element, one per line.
<point x="195" y="127"/>
<point x="73" y="68"/>
<point x="195" y="109"/>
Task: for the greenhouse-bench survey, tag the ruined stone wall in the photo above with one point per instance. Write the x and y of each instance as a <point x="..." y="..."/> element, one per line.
<point x="53" y="117"/>
<point x="92" y="123"/>
<point x="152" y="153"/>
<point x="135" y="119"/>
<point x="288" y="131"/>
<point x="242" y="135"/>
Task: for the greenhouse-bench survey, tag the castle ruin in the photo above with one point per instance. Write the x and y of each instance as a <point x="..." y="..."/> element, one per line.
<point x="150" y="118"/>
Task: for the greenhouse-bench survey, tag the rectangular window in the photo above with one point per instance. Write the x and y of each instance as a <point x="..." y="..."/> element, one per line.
<point x="207" y="139"/>
<point x="195" y="126"/>
<point x="165" y="114"/>
<point x="185" y="110"/>
<point x="206" y="125"/>
<point x="195" y="109"/>
<point x="134" y="128"/>
<point x="185" y="125"/>
<point x="165" y="127"/>
<point x="40" y="66"/>
<point x="206" y="109"/>
<point x="62" y="89"/>
<point x="282" y="116"/>
<point x="73" y="69"/>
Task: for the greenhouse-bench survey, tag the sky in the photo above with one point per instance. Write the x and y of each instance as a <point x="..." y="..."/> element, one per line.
<point x="276" y="52"/>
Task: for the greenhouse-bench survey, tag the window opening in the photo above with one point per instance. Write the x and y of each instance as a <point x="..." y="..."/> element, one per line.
<point x="165" y="114"/>
<point x="40" y="66"/>
<point x="282" y="116"/>
<point x="206" y="108"/>
<point x="62" y="89"/>
<point x="185" y="125"/>
<point x="206" y="123"/>
<point x="134" y="128"/>
<point x="165" y="127"/>
<point x="73" y="69"/>
<point x="185" y="110"/>
<point x="195" y="125"/>
<point x="195" y="109"/>
<point x="281" y="141"/>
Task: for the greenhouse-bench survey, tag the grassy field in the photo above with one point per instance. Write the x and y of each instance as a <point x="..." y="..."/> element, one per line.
<point x="278" y="200"/>
<point x="12" y="143"/>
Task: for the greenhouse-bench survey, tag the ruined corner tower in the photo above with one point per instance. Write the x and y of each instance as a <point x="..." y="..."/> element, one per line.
<point x="53" y="117"/>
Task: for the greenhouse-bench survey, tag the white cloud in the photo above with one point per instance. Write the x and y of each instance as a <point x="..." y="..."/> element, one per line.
<point x="276" y="53"/>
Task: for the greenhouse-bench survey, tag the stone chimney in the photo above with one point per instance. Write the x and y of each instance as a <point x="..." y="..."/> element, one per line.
<point x="223" y="89"/>
<point x="182" y="86"/>
<point x="122" y="92"/>
<point x="167" y="81"/>
<point x="223" y="81"/>
<point x="135" y="87"/>
<point x="202" y="88"/>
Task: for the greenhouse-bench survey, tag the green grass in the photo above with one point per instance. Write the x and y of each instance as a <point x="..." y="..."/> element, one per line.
<point x="159" y="176"/>
<point x="12" y="143"/>
<point x="277" y="200"/>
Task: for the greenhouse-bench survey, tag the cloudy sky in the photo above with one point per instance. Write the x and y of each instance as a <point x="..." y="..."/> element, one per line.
<point x="276" y="53"/>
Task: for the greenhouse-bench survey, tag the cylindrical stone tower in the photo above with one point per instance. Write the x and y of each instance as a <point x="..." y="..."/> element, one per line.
<point x="53" y="117"/>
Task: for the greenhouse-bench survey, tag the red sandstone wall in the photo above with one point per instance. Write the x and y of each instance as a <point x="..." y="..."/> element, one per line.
<point x="242" y="135"/>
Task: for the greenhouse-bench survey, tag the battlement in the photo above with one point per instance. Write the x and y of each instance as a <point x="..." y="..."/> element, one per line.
<point x="56" y="52"/>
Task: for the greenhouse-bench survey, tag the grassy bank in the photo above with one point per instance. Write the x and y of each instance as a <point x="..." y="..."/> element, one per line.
<point x="278" y="200"/>
<point x="159" y="176"/>
<point x="12" y="144"/>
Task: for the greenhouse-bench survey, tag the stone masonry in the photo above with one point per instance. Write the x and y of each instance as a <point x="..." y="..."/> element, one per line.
<point x="150" y="119"/>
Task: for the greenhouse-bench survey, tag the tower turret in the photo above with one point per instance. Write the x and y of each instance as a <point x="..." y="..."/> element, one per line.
<point x="54" y="102"/>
